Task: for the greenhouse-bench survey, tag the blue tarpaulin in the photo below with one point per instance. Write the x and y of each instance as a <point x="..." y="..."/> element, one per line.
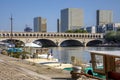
<point x="15" y="50"/>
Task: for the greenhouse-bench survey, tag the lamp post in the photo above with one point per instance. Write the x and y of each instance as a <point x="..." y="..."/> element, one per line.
<point x="11" y="32"/>
<point x="11" y="19"/>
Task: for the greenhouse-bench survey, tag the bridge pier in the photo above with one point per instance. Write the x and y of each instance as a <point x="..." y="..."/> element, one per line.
<point x="84" y="44"/>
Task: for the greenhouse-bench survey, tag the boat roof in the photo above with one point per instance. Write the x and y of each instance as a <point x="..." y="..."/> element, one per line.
<point x="112" y="53"/>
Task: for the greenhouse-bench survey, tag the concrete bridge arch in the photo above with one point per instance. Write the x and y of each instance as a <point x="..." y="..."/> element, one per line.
<point x="46" y="42"/>
<point x="94" y="41"/>
<point x="56" y="41"/>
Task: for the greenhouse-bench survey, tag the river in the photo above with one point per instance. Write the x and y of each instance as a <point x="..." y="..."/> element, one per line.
<point x="64" y="54"/>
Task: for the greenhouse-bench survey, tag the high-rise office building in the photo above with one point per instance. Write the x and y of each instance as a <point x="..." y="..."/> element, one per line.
<point x="40" y="24"/>
<point x="104" y="17"/>
<point x="71" y="19"/>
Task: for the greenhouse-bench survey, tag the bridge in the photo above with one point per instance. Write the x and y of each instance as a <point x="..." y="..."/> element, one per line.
<point x="53" y="38"/>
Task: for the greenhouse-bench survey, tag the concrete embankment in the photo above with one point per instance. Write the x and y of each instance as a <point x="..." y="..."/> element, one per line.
<point x="17" y="69"/>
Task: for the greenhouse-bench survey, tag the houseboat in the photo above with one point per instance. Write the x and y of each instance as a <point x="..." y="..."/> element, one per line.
<point x="105" y="66"/>
<point x="106" y="63"/>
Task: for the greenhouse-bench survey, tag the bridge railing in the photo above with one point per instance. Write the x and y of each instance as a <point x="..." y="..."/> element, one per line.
<point x="49" y="35"/>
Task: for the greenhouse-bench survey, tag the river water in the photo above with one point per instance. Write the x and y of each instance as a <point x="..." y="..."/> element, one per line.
<point x="64" y="54"/>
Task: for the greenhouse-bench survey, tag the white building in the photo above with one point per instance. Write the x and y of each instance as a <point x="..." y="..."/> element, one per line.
<point x="91" y="29"/>
<point x="108" y="27"/>
<point x="113" y="26"/>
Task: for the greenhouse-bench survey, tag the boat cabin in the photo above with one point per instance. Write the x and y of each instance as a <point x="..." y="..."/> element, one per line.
<point x="106" y="63"/>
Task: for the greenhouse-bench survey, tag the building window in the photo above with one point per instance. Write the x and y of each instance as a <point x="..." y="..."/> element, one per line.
<point x="98" y="63"/>
<point x="117" y="64"/>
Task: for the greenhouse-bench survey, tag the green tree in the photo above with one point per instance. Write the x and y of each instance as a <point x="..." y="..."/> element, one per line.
<point x="76" y="31"/>
<point x="69" y="31"/>
<point x="110" y="36"/>
<point x="118" y="29"/>
<point x="118" y="36"/>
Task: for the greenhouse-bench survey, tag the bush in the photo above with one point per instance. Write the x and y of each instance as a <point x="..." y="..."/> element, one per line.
<point x="113" y="36"/>
<point x="16" y="54"/>
<point x="22" y="55"/>
<point x="4" y="52"/>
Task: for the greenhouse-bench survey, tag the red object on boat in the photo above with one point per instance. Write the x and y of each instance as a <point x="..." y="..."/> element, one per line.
<point x="114" y="75"/>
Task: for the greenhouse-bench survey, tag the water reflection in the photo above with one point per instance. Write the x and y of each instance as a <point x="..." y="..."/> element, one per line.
<point x="64" y="54"/>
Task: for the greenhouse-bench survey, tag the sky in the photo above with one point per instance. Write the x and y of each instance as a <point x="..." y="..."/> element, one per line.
<point x="23" y="12"/>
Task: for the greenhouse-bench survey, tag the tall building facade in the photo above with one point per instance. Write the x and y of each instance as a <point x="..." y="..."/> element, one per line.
<point x="71" y="18"/>
<point x="104" y="17"/>
<point x="40" y="24"/>
<point x="58" y="25"/>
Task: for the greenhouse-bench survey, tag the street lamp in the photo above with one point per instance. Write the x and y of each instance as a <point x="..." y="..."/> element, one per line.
<point x="11" y="19"/>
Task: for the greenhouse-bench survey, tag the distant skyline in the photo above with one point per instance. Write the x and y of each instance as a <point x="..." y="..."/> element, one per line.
<point x="24" y="11"/>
